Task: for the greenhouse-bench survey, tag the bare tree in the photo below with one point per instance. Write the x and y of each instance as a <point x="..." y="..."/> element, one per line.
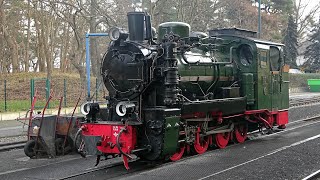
<point x="302" y="18"/>
<point x="9" y="38"/>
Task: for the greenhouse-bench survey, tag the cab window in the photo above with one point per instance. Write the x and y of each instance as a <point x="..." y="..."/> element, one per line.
<point x="274" y="58"/>
<point x="245" y="55"/>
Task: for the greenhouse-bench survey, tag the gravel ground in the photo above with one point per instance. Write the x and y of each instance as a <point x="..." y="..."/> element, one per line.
<point x="12" y="139"/>
<point x="303" y="112"/>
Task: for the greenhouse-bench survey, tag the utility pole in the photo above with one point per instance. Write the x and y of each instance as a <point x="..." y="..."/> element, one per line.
<point x="259" y="19"/>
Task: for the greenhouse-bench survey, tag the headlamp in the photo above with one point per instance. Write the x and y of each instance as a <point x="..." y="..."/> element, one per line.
<point x="117" y="33"/>
<point x="89" y="108"/>
<point x="123" y="108"/>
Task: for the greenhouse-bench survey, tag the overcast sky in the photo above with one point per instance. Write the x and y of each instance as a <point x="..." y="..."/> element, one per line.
<point x="310" y="4"/>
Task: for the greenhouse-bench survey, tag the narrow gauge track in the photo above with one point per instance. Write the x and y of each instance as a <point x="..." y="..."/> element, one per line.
<point x="114" y="165"/>
<point x="313" y="176"/>
<point x="294" y="102"/>
<point x="302" y="101"/>
<point x="137" y="165"/>
<point x="12" y="145"/>
<point x="114" y="170"/>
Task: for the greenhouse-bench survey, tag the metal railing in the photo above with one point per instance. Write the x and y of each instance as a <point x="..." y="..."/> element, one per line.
<point x="16" y="95"/>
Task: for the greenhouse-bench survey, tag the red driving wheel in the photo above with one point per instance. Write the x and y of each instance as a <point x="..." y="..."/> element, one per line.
<point x="201" y="144"/>
<point x="240" y="133"/>
<point x="222" y="139"/>
<point x="178" y="155"/>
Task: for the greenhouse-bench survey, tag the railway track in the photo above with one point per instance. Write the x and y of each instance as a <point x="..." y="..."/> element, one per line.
<point x="12" y="145"/>
<point x="114" y="165"/>
<point x="114" y="170"/>
<point x="117" y="168"/>
<point x="302" y="101"/>
<point x="313" y="176"/>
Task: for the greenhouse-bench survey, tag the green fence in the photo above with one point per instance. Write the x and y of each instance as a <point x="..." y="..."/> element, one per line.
<point x="16" y="95"/>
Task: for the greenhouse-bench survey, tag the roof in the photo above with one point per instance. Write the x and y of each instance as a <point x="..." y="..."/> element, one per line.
<point x="233" y="31"/>
<point x="265" y="41"/>
<point x="243" y="33"/>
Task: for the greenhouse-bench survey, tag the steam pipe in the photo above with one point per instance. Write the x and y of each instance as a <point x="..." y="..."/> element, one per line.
<point x="118" y="144"/>
<point x="216" y="78"/>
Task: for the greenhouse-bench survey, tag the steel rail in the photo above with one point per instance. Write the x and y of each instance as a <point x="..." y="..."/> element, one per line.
<point x="255" y="134"/>
<point x="12" y="145"/>
<point x="301" y="101"/>
<point x="314" y="175"/>
<point x="109" y="166"/>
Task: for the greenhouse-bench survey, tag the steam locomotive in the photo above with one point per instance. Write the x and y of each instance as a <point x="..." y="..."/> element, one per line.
<point x="175" y="91"/>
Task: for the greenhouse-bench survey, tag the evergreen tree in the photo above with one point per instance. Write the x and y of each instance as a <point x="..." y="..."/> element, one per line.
<point x="291" y="43"/>
<point x="312" y="53"/>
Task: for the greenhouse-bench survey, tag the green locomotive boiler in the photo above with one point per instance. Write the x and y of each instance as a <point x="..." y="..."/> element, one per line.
<point x="184" y="91"/>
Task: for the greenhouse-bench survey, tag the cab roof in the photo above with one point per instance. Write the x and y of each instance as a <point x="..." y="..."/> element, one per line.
<point x="241" y="33"/>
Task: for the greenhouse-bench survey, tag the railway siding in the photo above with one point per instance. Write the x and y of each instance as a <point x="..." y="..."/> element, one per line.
<point x="304" y="111"/>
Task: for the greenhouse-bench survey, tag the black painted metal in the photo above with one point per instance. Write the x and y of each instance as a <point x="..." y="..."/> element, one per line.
<point x="136" y="26"/>
<point x="122" y="70"/>
<point x="91" y="144"/>
<point x="148" y="28"/>
<point x="171" y="75"/>
<point x="233" y="31"/>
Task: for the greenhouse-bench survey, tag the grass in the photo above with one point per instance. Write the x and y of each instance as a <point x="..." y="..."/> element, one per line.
<point x="29" y="75"/>
<point x="18" y="90"/>
<point x="24" y="105"/>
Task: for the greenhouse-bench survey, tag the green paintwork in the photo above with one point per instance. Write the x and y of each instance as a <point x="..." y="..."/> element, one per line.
<point x="275" y="90"/>
<point x="228" y="106"/>
<point x="203" y="70"/>
<point x="185" y="70"/>
<point x="272" y="86"/>
<point x="314" y="85"/>
<point x="171" y="135"/>
<point x="270" y="89"/>
<point x="263" y="86"/>
<point x="162" y="132"/>
<point x="313" y="82"/>
<point x="284" y="90"/>
<point x="247" y="85"/>
<point x="179" y="28"/>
